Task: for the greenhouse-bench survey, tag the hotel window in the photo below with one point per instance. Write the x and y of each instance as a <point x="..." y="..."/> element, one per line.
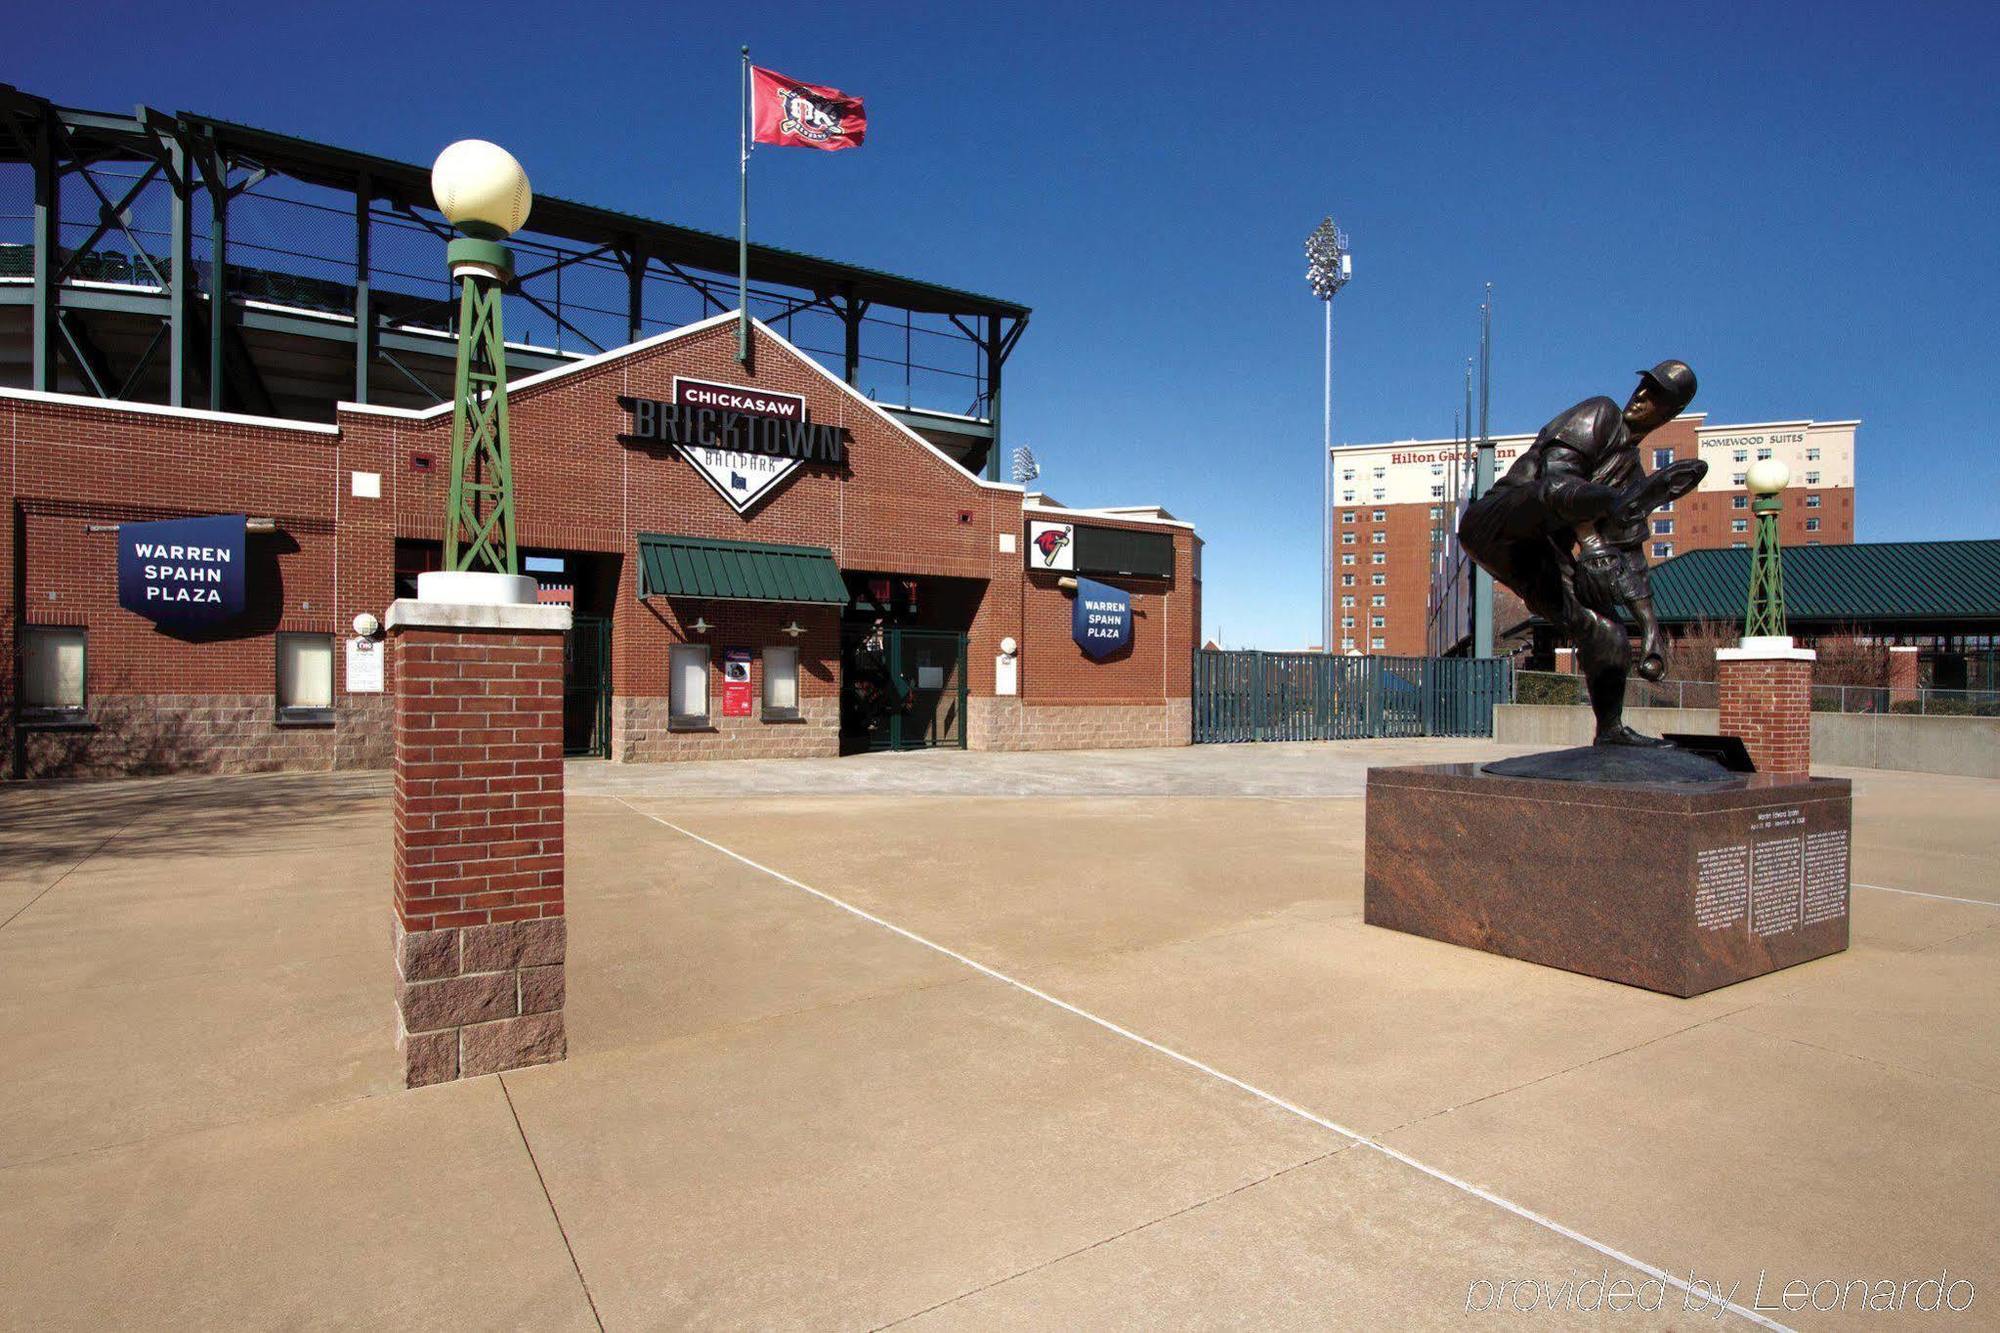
<point x="1347" y="622"/>
<point x="1812" y="454"/>
<point x="1763" y="453"/>
<point x="1378" y="622"/>
<point x="1663" y="549"/>
<point x="1381" y="516"/>
<point x="1347" y="601"/>
<point x="1380" y="492"/>
<point x="1437" y="492"/>
<point x="1667" y="508"/>
<point x="1377" y="643"/>
<point x="1662" y="457"/>
<point x="1379" y="558"/>
<point x="1347" y="580"/>
<point x="1379" y="599"/>
<point x="1812" y="541"/>
<point x="1378" y="539"/>
<point x="1739" y="502"/>
<point x="687" y="685"/>
<point x="1812" y="502"/>
<point x="1738" y="478"/>
<point x="1347" y="497"/>
<point x="1380" y="470"/>
<point x="305" y="677"/>
<point x="1347" y="645"/>
<point x="1739" y="525"/>
<point x="1347" y="539"/>
<point x="1347" y="559"/>
<point x="1740" y="456"/>
<point x="1663" y="527"/>
<point x="781" y="684"/>
<point x="1347" y="474"/>
<point x="1378" y="580"/>
<point x="1347" y="517"/>
<point x="1737" y="546"/>
<point x="1436" y="513"/>
<point x="1812" y="478"/>
<point x="52" y="671"/>
<point x="1812" y="525"/>
<point x="1437" y="469"/>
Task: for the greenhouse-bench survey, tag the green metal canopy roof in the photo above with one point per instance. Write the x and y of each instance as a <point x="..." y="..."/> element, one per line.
<point x="738" y="571"/>
<point x="1874" y="581"/>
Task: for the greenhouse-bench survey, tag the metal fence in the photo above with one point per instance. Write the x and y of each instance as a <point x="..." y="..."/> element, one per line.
<point x="1257" y="696"/>
<point x="1556" y="687"/>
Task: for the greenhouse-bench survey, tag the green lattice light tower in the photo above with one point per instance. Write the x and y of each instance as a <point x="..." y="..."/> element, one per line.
<point x="482" y="190"/>
<point x="1765" y="617"/>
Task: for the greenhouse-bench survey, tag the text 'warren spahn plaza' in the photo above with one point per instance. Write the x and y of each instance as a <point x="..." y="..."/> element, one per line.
<point x="1394" y="510"/>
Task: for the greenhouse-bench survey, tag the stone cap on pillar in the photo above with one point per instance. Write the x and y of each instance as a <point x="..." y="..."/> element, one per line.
<point x="413" y="613"/>
<point x="1766" y="648"/>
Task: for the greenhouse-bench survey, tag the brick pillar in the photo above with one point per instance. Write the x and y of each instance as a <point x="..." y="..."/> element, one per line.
<point x="1566" y="661"/>
<point x="479" y="931"/>
<point x="1766" y="689"/>
<point x="1902" y="676"/>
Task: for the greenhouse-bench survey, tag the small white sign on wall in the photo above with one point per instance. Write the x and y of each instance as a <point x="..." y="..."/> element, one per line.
<point x="364" y="666"/>
<point x="1006" y="674"/>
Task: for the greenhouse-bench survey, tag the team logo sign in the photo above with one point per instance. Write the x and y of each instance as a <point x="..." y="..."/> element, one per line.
<point x="744" y="442"/>
<point x="806" y="116"/>
<point x="1051" y="546"/>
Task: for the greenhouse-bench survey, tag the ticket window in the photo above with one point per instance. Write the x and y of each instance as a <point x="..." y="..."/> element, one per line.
<point x="52" y="672"/>
<point x="305" y="677"/>
<point x="687" y="686"/>
<point x="781" y="684"/>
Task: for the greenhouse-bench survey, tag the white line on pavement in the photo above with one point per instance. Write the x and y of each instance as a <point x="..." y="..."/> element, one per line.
<point x="1528" y="1214"/>
<point x="1915" y="893"/>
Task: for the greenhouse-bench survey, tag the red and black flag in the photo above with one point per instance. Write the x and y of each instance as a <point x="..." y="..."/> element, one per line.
<point x="803" y="115"/>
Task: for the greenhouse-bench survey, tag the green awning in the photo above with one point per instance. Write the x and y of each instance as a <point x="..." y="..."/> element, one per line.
<point x="738" y="571"/>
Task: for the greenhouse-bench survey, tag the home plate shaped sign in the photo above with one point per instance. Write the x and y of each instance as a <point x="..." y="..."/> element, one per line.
<point x="742" y="441"/>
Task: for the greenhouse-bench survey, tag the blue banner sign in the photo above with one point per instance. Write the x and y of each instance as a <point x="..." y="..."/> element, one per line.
<point x="183" y="573"/>
<point x="1101" y="620"/>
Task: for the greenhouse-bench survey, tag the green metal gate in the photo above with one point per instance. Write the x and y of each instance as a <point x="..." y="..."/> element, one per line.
<point x="1259" y="696"/>
<point x="587" y="688"/>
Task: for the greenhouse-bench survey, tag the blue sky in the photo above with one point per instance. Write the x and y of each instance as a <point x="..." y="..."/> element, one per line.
<point x="1801" y="202"/>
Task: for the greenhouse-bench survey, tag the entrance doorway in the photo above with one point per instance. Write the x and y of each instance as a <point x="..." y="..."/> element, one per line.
<point x="902" y="689"/>
<point x="587" y="688"/>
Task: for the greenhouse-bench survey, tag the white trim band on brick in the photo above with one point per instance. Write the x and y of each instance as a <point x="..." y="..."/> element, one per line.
<point x="1766" y="648"/>
<point x="162" y="410"/>
<point x="409" y="613"/>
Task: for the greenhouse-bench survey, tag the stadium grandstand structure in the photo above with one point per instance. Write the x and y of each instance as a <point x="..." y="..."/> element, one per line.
<point x="119" y="231"/>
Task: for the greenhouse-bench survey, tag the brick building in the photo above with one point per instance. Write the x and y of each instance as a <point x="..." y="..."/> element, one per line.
<point x="1394" y="508"/>
<point x="727" y="603"/>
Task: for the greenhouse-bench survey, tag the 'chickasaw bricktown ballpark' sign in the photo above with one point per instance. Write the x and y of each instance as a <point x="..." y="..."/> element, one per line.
<point x="182" y="573"/>
<point x="742" y="441"/>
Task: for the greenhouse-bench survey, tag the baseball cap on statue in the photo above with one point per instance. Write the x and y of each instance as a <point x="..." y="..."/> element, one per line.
<point x="1674" y="380"/>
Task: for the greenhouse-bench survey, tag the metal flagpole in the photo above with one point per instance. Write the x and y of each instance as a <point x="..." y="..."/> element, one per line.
<point x="743" y="220"/>
<point x="1482" y="481"/>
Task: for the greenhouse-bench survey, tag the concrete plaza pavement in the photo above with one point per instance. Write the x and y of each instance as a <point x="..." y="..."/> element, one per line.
<point x="961" y="1041"/>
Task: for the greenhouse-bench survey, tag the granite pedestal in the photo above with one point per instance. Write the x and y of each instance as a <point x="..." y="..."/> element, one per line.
<point x="1678" y="888"/>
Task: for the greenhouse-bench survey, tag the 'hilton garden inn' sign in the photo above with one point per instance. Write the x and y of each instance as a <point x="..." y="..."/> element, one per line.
<point x="742" y="441"/>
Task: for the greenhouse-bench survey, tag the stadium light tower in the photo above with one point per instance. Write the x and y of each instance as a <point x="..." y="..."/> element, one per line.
<point x="1328" y="267"/>
<point x="1765" y="614"/>
<point x="482" y="191"/>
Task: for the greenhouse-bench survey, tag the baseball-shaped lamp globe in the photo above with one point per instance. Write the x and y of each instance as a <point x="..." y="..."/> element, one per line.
<point x="481" y="188"/>
<point x="1768" y="476"/>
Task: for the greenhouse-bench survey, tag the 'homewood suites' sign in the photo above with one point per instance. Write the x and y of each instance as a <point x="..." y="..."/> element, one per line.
<point x="742" y="441"/>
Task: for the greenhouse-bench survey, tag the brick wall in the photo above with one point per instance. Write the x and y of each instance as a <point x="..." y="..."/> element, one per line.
<point x="479" y="930"/>
<point x="1016" y="724"/>
<point x="1768" y="703"/>
<point x="895" y="508"/>
<point x="639" y="731"/>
